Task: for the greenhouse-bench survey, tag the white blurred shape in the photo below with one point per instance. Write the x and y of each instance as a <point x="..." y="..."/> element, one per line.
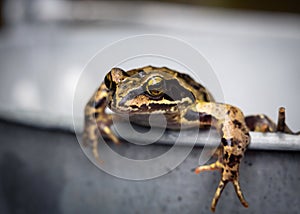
<point x="51" y="9"/>
<point x="70" y="78"/>
<point x="67" y="84"/>
<point x="26" y="95"/>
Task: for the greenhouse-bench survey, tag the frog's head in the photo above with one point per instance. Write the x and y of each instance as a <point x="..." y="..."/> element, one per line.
<point x="143" y="91"/>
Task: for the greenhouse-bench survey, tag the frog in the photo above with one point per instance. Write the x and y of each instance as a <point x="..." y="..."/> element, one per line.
<point x="185" y="103"/>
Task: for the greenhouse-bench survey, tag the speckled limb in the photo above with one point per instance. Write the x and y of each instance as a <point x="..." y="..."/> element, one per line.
<point x="97" y="121"/>
<point x="230" y="123"/>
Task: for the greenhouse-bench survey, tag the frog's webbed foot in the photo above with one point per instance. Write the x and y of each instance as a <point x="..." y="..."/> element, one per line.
<point x="220" y="189"/>
<point x="223" y="182"/>
<point x="262" y="123"/>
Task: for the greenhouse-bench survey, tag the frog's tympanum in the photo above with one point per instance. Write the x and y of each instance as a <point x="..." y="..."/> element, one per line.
<point x="185" y="103"/>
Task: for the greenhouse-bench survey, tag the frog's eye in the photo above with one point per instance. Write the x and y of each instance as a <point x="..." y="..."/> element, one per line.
<point x="115" y="76"/>
<point x="155" y="86"/>
<point x="108" y="81"/>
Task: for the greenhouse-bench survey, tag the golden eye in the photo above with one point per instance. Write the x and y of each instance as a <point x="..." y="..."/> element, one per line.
<point x="114" y="77"/>
<point x="108" y="81"/>
<point x="155" y="86"/>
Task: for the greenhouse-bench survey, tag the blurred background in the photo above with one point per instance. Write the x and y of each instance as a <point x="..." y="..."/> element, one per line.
<point x="253" y="47"/>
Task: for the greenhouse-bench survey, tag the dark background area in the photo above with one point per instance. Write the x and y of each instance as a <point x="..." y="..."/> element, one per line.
<point x="264" y="5"/>
<point x="291" y="6"/>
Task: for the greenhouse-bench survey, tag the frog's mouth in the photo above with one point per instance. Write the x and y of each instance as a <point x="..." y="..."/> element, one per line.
<point x="145" y="108"/>
<point x="143" y="104"/>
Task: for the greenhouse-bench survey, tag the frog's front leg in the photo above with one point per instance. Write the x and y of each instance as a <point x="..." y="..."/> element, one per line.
<point x="97" y="121"/>
<point x="230" y="123"/>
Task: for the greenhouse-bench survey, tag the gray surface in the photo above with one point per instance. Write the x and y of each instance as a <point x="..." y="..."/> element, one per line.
<point x="47" y="172"/>
<point x="259" y="141"/>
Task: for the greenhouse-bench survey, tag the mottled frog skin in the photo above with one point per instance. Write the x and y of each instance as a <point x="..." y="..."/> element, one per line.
<point x="185" y="103"/>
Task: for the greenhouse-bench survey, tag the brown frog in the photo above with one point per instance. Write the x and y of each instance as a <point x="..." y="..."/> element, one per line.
<point x="184" y="103"/>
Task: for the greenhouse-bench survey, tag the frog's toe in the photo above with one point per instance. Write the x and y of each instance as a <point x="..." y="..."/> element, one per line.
<point x="110" y="135"/>
<point x="239" y="192"/>
<point x="218" y="193"/>
<point x="213" y="166"/>
<point x="104" y="123"/>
